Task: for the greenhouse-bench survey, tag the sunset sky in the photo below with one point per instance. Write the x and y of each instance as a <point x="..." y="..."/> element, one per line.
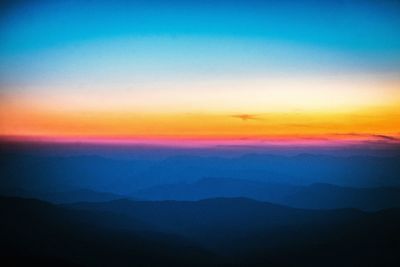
<point x="200" y="71"/>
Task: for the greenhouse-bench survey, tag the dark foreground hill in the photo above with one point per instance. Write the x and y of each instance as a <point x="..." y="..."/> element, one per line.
<point x="208" y="232"/>
<point x="36" y="233"/>
<point x="328" y="196"/>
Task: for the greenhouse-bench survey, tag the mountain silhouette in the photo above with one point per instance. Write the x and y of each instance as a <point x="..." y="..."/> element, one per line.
<point x="35" y="232"/>
<point x="58" y="197"/>
<point x="315" y="196"/>
<point x="218" y="187"/>
<point x="222" y="231"/>
<point x="244" y="230"/>
<point x="327" y="196"/>
<point x="48" y="173"/>
<point x="79" y="209"/>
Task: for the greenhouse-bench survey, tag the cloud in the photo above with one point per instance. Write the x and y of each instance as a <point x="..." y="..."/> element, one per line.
<point x="386" y="137"/>
<point x="376" y="137"/>
<point x="246" y="117"/>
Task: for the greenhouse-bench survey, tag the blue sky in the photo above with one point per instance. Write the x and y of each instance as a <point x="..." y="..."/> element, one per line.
<point x="139" y="45"/>
<point x="368" y="27"/>
<point x="347" y="25"/>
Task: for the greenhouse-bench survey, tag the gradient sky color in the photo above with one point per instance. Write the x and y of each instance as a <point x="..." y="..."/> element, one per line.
<point x="170" y="71"/>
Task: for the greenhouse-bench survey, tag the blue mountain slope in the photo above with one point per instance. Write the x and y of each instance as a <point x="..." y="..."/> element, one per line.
<point x="315" y="196"/>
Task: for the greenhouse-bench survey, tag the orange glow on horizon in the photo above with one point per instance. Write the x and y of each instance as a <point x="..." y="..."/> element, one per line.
<point x="367" y="124"/>
<point x="275" y="110"/>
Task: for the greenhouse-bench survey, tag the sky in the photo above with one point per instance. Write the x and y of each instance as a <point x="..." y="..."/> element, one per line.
<point x="211" y="72"/>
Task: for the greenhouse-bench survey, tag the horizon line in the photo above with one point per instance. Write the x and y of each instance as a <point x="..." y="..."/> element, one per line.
<point x="328" y="140"/>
